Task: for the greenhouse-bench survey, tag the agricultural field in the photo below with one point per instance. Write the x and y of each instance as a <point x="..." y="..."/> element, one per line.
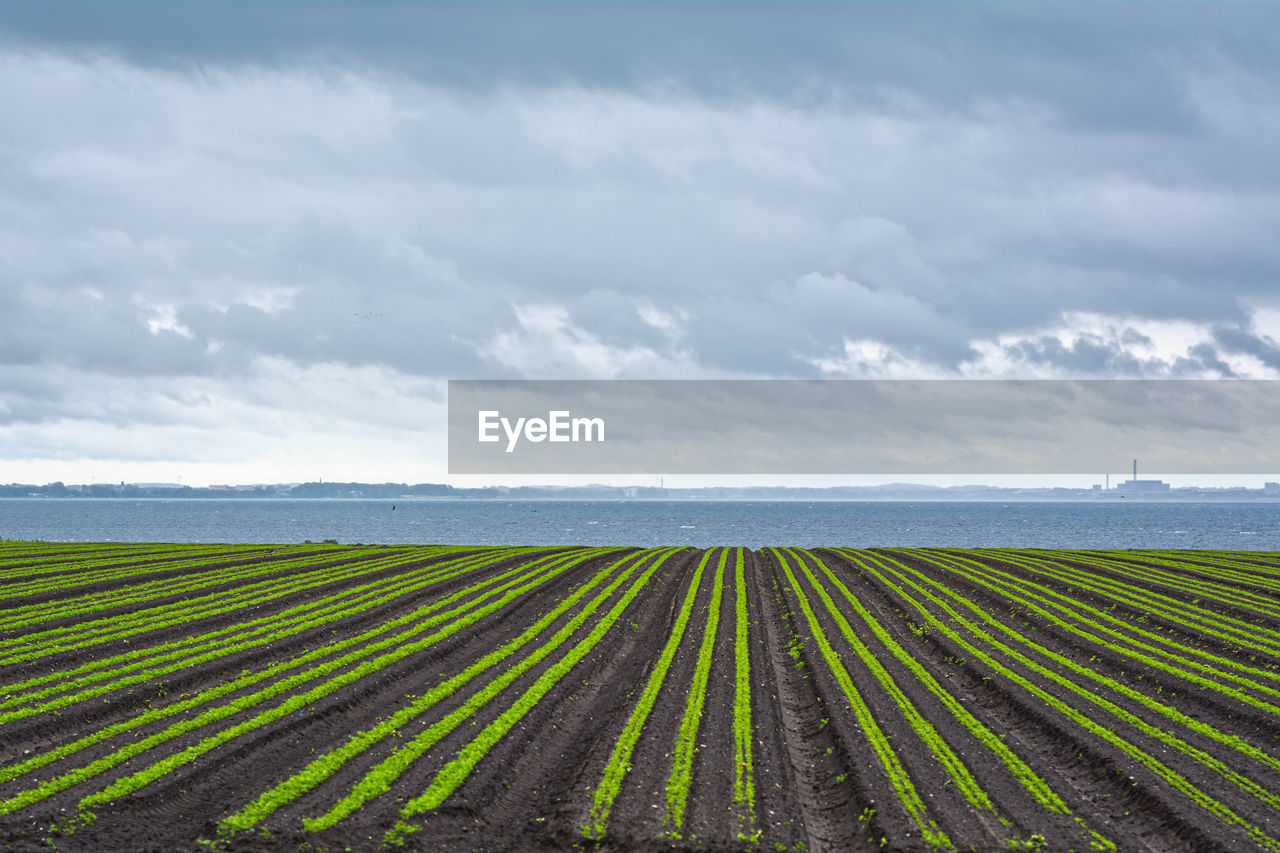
<point x="331" y="698"/>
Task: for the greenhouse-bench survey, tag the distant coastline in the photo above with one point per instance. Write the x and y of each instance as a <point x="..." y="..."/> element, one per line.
<point x="601" y="492"/>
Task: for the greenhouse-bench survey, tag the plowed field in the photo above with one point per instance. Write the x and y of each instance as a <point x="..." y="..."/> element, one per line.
<point x="323" y="697"/>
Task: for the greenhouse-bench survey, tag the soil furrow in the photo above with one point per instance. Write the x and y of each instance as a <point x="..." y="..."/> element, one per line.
<point x="898" y="699"/>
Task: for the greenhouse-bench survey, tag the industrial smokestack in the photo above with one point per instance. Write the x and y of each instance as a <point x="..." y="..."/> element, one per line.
<point x="1135" y="470"/>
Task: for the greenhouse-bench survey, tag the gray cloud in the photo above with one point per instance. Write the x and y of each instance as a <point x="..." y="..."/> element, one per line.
<point x="1090" y="355"/>
<point x="1098" y="65"/>
<point x="1201" y="360"/>
<point x="1262" y="347"/>
<point x="680" y="192"/>
<point x="372" y="219"/>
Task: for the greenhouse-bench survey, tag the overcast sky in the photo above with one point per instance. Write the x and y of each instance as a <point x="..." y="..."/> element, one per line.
<point x="244" y="244"/>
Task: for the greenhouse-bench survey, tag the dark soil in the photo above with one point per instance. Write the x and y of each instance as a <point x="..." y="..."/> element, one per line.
<point x="820" y="784"/>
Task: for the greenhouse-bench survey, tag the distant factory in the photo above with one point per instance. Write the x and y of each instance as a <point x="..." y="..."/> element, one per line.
<point x="1134" y="486"/>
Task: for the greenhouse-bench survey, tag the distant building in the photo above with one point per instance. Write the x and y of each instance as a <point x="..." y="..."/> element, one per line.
<point x="1142" y="487"/>
<point x="1271" y="489"/>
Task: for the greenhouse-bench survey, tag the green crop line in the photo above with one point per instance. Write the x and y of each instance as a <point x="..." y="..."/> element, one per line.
<point x="22" y="551"/>
<point x="156" y="560"/>
<point x="183" y="612"/>
<point x="1152" y="573"/>
<point x="143" y="656"/>
<point x="1233" y="631"/>
<point x="1030" y="781"/>
<point x="1126" y="631"/>
<point x="456" y="771"/>
<point x="24" y="616"/>
<point x="1180" y="575"/>
<point x="889" y="761"/>
<point x="185" y="659"/>
<point x="937" y="746"/>
<point x="1142" y="756"/>
<point x="1208" y="572"/>
<point x="380" y="778"/>
<point x="273" y="670"/>
<point x="1245" y="574"/>
<point x="400" y="689"/>
<point x="401" y="645"/>
<point x="744" y="789"/>
<point x="28" y="615"/>
<point x="195" y="650"/>
<point x="620" y="759"/>
<point x="24" y="555"/>
<point x="158" y="610"/>
<point x="1169" y="657"/>
<point x="1238" y="634"/>
<point x="1251" y="565"/>
<point x="25" y="571"/>
<point x="97" y="572"/>
<point x="326" y="765"/>
<point x="1173" y="714"/>
<point x="209" y="567"/>
<point x="361" y="598"/>
<point x="687" y="738"/>
<point x="246" y="680"/>
<point x="298" y="701"/>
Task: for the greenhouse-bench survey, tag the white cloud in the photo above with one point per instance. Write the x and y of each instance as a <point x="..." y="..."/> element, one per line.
<point x="216" y="244"/>
<point x="285" y="419"/>
<point x="549" y="344"/>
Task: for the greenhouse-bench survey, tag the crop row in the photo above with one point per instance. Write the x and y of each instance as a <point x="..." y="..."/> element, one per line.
<point x="229" y="710"/>
<point x="187" y="611"/>
<point x="835" y="698"/>
<point x="1088" y="700"/>
<point x="107" y="675"/>
<point x="30" y="560"/>
<point x="97" y="570"/>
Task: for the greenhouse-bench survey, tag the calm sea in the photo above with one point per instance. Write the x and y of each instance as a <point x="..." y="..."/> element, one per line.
<point x="1131" y="524"/>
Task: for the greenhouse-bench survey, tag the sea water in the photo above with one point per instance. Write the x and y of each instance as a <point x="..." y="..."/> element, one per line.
<point x="1111" y="524"/>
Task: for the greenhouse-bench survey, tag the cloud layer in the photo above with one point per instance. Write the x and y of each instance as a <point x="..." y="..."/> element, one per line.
<point x="279" y="243"/>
